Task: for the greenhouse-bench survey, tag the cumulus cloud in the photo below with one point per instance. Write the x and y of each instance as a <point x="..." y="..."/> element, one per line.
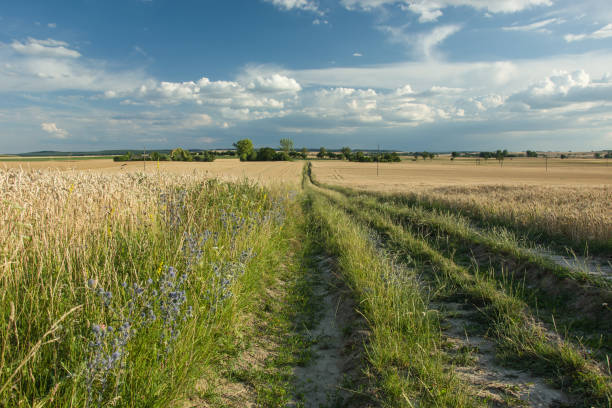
<point x="563" y="89"/>
<point x="44" y="48"/>
<point x="274" y="84"/>
<point x="604" y="32"/>
<point x="53" y="130"/>
<point x="307" y="5"/>
<point x="251" y="98"/>
<point x="350" y="108"/>
<point x="357" y="54"/>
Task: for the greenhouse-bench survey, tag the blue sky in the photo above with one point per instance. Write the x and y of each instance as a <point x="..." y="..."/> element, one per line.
<point x="406" y="74"/>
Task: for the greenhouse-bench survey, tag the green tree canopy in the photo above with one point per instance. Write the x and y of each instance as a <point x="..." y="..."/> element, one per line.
<point x="286" y="145"/>
<point x="244" y="148"/>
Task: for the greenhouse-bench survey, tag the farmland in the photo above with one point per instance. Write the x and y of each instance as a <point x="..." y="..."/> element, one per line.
<point x="433" y="284"/>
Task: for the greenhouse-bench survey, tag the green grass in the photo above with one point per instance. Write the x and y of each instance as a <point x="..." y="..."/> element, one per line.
<point x="48" y="312"/>
<point x="281" y="320"/>
<point x="548" y="288"/>
<point x="404" y="348"/>
<point x="519" y="338"/>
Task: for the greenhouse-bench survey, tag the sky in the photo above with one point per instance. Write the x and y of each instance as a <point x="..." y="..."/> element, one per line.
<point x="410" y="75"/>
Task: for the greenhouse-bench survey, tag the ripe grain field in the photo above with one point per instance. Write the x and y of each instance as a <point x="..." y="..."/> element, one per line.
<point x="232" y="284"/>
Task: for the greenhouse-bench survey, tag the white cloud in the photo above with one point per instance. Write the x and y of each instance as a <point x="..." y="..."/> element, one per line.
<point x="251" y="98"/>
<point x="44" y="48"/>
<point x="198" y="120"/>
<point x="604" y="32"/>
<point x="568" y="90"/>
<point x="46" y="65"/>
<point x="357" y="54"/>
<point x="427" y="12"/>
<point x="428" y="42"/>
<point x="423" y="44"/>
<point x="560" y="84"/>
<point x="307" y="5"/>
<point x="52" y="25"/>
<point x="53" y="130"/>
<point x="274" y="84"/>
<point x="430" y="10"/>
<point x="537" y="26"/>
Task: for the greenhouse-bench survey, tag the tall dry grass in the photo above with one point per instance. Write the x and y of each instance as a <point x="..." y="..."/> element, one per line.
<point x="577" y="215"/>
<point x="79" y="250"/>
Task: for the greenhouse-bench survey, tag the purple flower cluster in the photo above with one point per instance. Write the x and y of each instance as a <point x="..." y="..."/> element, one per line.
<point x="172" y="205"/>
<point x="135" y="313"/>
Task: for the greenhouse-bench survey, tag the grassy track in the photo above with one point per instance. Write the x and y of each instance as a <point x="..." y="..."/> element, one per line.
<point x="519" y="336"/>
<point x="577" y="299"/>
<point x="405" y="345"/>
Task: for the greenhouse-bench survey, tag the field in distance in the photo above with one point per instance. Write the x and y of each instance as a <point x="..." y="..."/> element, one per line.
<point x="226" y="169"/>
<point x="407" y="175"/>
<point x="570" y="201"/>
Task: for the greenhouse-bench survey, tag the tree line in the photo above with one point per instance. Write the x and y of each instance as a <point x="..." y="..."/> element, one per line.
<point x="177" y="154"/>
<point x="358" y="156"/>
<point x="246" y="152"/>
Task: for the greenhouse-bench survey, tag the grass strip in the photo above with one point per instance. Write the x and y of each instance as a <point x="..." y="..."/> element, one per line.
<point x="577" y="301"/>
<point x="519" y="337"/>
<point x="405" y="343"/>
<point x="258" y="362"/>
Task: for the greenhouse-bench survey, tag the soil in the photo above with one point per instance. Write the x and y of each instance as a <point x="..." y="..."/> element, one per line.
<point x="477" y="365"/>
<point x="337" y="362"/>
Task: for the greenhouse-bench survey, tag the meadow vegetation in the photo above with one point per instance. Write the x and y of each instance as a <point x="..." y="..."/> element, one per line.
<point x="157" y="289"/>
<point x="112" y="285"/>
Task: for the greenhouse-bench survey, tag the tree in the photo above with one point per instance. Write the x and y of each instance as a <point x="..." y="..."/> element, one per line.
<point x="597" y="155"/>
<point x="286" y="145"/>
<point x="244" y="149"/>
<point x="454" y="154"/>
<point x="531" y="153"/>
<point x="266" y="154"/>
<point x="179" y="154"/>
<point x="346" y="152"/>
<point x="322" y="153"/>
<point x="304" y="153"/>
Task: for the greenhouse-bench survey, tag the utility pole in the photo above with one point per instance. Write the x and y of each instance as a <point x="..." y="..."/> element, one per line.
<point x="377" y="160"/>
<point x="546" y="155"/>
